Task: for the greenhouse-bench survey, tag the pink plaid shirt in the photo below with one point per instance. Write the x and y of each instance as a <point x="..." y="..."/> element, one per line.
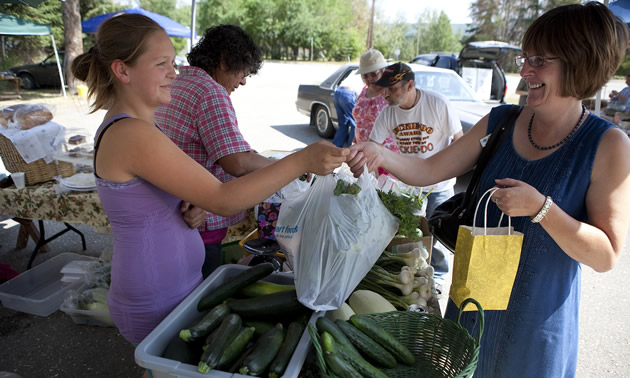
<point x="200" y="119"/>
<point x="365" y="112"/>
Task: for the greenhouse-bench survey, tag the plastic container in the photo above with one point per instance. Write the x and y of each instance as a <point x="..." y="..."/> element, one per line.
<point x="149" y="351"/>
<point x="40" y="291"/>
<point x="87" y="317"/>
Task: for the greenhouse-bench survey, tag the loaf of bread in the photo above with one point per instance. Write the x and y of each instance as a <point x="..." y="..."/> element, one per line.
<point x="30" y="116"/>
<point x="7" y="114"/>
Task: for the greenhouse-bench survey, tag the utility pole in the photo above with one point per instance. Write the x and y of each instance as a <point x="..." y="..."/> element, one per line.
<point x="370" y="38"/>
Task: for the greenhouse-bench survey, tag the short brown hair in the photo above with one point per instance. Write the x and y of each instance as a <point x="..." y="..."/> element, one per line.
<point x="589" y="40"/>
<point x="120" y="37"/>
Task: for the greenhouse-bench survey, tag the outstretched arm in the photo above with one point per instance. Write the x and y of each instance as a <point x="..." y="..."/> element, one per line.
<point x="456" y="159"/>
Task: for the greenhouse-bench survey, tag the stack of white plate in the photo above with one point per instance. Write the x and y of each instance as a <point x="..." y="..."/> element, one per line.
<point x="81" y="182"/>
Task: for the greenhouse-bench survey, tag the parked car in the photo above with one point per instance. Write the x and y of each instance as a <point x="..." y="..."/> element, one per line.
<point x="316" y="101"/>
<point x="42" y="74"/>
<point x="438" y="59"/>
<point x="481" y="64"/>
<point x="491" y="57"/>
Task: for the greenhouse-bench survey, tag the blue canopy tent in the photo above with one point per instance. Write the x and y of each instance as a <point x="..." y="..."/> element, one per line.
<point x="621" y="9"/>
<point x="174" y="29"/>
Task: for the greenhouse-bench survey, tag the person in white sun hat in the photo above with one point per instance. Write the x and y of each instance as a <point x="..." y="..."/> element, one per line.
<point x="371" y="101"/>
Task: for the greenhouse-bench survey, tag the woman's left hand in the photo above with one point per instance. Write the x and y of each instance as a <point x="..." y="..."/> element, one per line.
<point x="193" y="215"/>
<point x="517" y="199"/>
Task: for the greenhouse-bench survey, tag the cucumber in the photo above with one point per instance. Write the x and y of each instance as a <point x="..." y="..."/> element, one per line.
<point x="358" y="363"/>
<point x="235" y="284"/>
<point x="236" y="347"/>
<point x="368" y="347"/>
<point x="326" y="325"/>
<point x="280" y="305"/>
<point x="340" y="366"/>
<point x="226" y="332"/>
<point x="291" y="340"/>
<point x="259" y="288"/>
<point x="265" y="350"/>
<point x="206" y="325"/>
<point x="387" y="341"/>
<point x="178" y="350"/>
<point x="261" y="326"/>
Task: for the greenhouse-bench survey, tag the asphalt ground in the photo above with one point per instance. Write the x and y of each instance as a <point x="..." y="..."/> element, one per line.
<point x="54" y="346"/>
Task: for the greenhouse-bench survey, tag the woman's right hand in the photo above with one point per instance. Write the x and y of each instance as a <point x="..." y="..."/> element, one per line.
<point x="361" y="154"/>
<point x="323" y="157"/>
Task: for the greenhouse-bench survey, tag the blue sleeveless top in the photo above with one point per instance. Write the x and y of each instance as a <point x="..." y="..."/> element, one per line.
<point x="537" y="336"/>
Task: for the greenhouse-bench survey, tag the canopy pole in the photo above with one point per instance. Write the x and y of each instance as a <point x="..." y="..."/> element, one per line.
<point x="63" y="87"/>
<point x="192" y="25"/>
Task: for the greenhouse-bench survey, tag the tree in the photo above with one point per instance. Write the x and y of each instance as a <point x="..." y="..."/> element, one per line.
<point x="72" y="37"/>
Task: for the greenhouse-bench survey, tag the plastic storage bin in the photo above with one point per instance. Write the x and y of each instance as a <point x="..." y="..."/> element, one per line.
<point x="87" y="317"/>
<point x="149" y="351"/>
<point x="40" y="291"/>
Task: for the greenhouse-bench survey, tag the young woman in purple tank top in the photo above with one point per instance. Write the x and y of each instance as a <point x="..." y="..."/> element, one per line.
<point x="143" y="176"/>
<point x="562" y="173"/>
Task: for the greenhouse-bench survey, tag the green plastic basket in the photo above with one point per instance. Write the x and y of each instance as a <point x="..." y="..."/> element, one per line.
<point x="442" y="347"/>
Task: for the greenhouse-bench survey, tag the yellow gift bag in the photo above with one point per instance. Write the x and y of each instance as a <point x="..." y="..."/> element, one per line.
<point x="486" y="261"/>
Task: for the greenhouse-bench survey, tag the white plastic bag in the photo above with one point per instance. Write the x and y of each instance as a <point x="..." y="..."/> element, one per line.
<point x="333" y="241"/>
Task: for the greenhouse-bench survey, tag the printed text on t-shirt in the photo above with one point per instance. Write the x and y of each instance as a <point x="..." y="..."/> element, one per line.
<point x="410" y="140"/>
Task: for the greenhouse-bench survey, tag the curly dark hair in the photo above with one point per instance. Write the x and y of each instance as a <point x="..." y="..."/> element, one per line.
<point x="228" y="44"/>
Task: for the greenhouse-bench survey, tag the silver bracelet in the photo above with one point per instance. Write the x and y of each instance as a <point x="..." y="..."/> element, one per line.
<point x="543" y="211"/>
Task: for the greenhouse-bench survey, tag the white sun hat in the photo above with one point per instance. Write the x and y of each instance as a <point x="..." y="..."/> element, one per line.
<point x="371" y="61"/>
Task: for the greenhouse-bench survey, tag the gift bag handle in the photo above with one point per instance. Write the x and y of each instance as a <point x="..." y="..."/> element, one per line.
<point x="485" y="215"/>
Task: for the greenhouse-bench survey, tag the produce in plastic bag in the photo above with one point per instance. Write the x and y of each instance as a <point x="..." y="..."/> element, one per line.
<point x="331" y="240"/>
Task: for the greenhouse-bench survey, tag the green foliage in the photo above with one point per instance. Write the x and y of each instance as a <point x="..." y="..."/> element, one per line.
<point x="286" y="29"/>
<point x="404" y="208"/>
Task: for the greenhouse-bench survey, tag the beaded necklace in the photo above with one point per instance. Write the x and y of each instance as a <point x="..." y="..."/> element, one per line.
<point x="563" y="141"/>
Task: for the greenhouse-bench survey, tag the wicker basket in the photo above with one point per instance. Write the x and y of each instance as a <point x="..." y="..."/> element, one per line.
<point x="35" y="172"/>
<point x="442" y="348"/>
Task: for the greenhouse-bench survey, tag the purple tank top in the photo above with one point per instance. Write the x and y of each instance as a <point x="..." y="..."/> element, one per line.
<point x="157" y="258"/>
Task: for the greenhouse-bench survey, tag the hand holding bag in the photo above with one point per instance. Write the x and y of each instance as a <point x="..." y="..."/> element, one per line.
<point x="458" y="210"/>
<point x="486" y="261"/>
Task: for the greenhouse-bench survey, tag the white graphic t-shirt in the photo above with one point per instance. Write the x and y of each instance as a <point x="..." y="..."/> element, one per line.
<point x="422" y="130"/>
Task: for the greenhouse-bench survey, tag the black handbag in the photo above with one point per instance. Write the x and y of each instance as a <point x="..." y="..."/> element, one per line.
<point x="459" y="209"/>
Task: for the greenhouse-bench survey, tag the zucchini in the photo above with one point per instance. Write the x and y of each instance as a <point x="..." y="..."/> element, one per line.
<point x="206" y="325"/>
<point x="359" y="364"/>
<point x="235" y="284"/>
<point x="261" y="326"/>
<point x="340" y="366"/>
<point x="265" y="350"/>
<point x="226" y="332"/>
<point x="283" y="304"/>
<point x="236" y="347"/>
<point x="368" y="347"/>
<point x="326" y="325"/>
<point x="387" y="341"/>
<point x="178" y="350"/>
<point x="291" y="340"/>
<point x="259" y="288"/>
<point x="234" y="366"/>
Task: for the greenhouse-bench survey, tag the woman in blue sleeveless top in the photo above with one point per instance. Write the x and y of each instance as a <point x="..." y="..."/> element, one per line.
<point x="564" y="177"/>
